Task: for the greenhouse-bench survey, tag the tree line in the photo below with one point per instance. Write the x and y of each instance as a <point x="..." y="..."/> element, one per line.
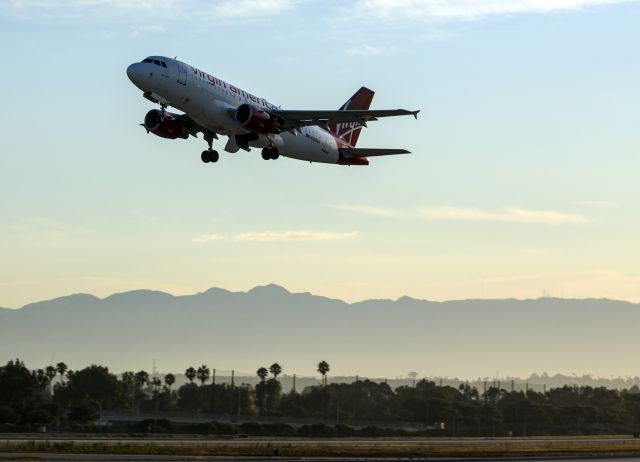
<point x="61" y="398"/>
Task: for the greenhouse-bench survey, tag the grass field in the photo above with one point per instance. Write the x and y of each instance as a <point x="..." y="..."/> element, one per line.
<point x="363" y="448"/>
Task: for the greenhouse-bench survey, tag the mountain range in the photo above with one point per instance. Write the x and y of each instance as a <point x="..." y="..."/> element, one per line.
<point x="379" y="338"/>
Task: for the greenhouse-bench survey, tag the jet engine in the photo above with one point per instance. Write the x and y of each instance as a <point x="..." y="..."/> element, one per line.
<point x="255" y="120"/>
<point x="165" y="124"/>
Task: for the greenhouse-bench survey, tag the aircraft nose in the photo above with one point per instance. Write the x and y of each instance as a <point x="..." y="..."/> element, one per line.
<point x="134" y="72"/>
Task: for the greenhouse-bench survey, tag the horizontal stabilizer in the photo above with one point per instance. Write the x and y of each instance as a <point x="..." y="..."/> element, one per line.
<point x="366" y="152"/>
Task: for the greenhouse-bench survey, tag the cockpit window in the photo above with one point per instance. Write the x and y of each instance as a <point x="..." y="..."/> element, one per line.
<point x="154" y="61"/>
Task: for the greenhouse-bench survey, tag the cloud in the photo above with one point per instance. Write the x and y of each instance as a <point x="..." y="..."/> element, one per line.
<point x="514" y="215"/>
<point x="272" y="236"/>
<point x="123" y="5"/>
<point x="170" y="9"/>
<point x="371" y="50"/>
<point x="155" y="28"/>
<point x="467" y="9"/>
<point x="367" y="210"/>
<point x="207" y="238"/>
<point x="244" y="8"/>
<point x="277" y="236"/>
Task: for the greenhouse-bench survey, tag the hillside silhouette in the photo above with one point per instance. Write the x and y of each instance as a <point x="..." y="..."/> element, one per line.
<point x="378" y="338"/>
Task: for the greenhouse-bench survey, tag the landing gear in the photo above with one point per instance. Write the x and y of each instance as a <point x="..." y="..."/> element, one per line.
<point x="270" y="152"/>
<point x="163" y="108"/>
<point x="209" y="156"/>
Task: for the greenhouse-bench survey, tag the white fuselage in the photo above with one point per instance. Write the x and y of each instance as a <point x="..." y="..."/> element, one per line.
<point x="212" y="102"/>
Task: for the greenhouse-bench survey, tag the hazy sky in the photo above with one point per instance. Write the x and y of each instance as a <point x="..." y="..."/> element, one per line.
<point x="523" y="180"/>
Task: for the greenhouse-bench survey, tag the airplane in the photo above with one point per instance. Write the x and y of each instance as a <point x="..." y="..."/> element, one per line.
<point x="214" y="107"/>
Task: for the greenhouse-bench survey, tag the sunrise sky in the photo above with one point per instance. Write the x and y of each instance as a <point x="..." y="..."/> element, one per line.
<point x="522" y="182"/>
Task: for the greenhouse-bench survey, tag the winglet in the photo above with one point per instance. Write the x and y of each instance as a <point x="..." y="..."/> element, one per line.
<point x="415" y="114"/>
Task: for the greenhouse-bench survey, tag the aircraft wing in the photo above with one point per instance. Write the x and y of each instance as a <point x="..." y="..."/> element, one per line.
<point x="192" y="126"/>
<point x="368" y="152"/>
<point x="290" y="120"/>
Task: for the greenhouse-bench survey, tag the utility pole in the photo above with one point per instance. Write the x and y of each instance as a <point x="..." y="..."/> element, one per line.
<point x="156" y="392"/>
<point x="233" y="373"/>
<point x="426" y="406"/>
<point x="213" y="392"/>
<point x="294" y="383"/>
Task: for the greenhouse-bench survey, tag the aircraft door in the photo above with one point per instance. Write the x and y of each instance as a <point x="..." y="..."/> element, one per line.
<point x="182" y="74"/>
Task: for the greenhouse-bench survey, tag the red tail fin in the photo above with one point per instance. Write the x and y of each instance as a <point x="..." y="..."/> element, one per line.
<point x="350" y="131"/>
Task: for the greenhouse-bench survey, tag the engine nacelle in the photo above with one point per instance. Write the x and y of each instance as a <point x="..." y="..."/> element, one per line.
<point x="255" y="120"/>
<point x="165" y="125"/>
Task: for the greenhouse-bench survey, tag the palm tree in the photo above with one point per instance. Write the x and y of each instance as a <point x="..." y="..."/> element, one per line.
<point x="262" y="373"/>
<point x="323" y="368"/>
<point x="203" y="374"/>
<point x="156" y="383"/>
<point x="141" y="378"/>
<point x="275" y="369"/>
<point x="130" y="386"/>
<point x="190" y="374"/>
<point x="61" y="368"/>
<point x="50" y="372"/>
<point x="169" y="380"/>
<point x="41" y="377"/>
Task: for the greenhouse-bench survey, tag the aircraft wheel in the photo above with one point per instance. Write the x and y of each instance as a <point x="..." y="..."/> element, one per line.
<point x="274" y="153"/>
<point x="266" y="154"/>
<point x="205" y="157"/>
<point x="214" y="156"/>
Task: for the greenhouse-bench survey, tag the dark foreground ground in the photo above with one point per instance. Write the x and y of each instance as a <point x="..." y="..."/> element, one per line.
<point x="80" y="448"/>
<point x="43" y="457"/>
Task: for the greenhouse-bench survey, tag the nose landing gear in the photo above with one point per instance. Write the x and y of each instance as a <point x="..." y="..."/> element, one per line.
<point x="270" y="153"/>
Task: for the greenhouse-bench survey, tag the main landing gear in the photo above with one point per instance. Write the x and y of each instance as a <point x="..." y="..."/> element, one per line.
<point x="270" y="152"/>
<point x="210" y="155"/>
